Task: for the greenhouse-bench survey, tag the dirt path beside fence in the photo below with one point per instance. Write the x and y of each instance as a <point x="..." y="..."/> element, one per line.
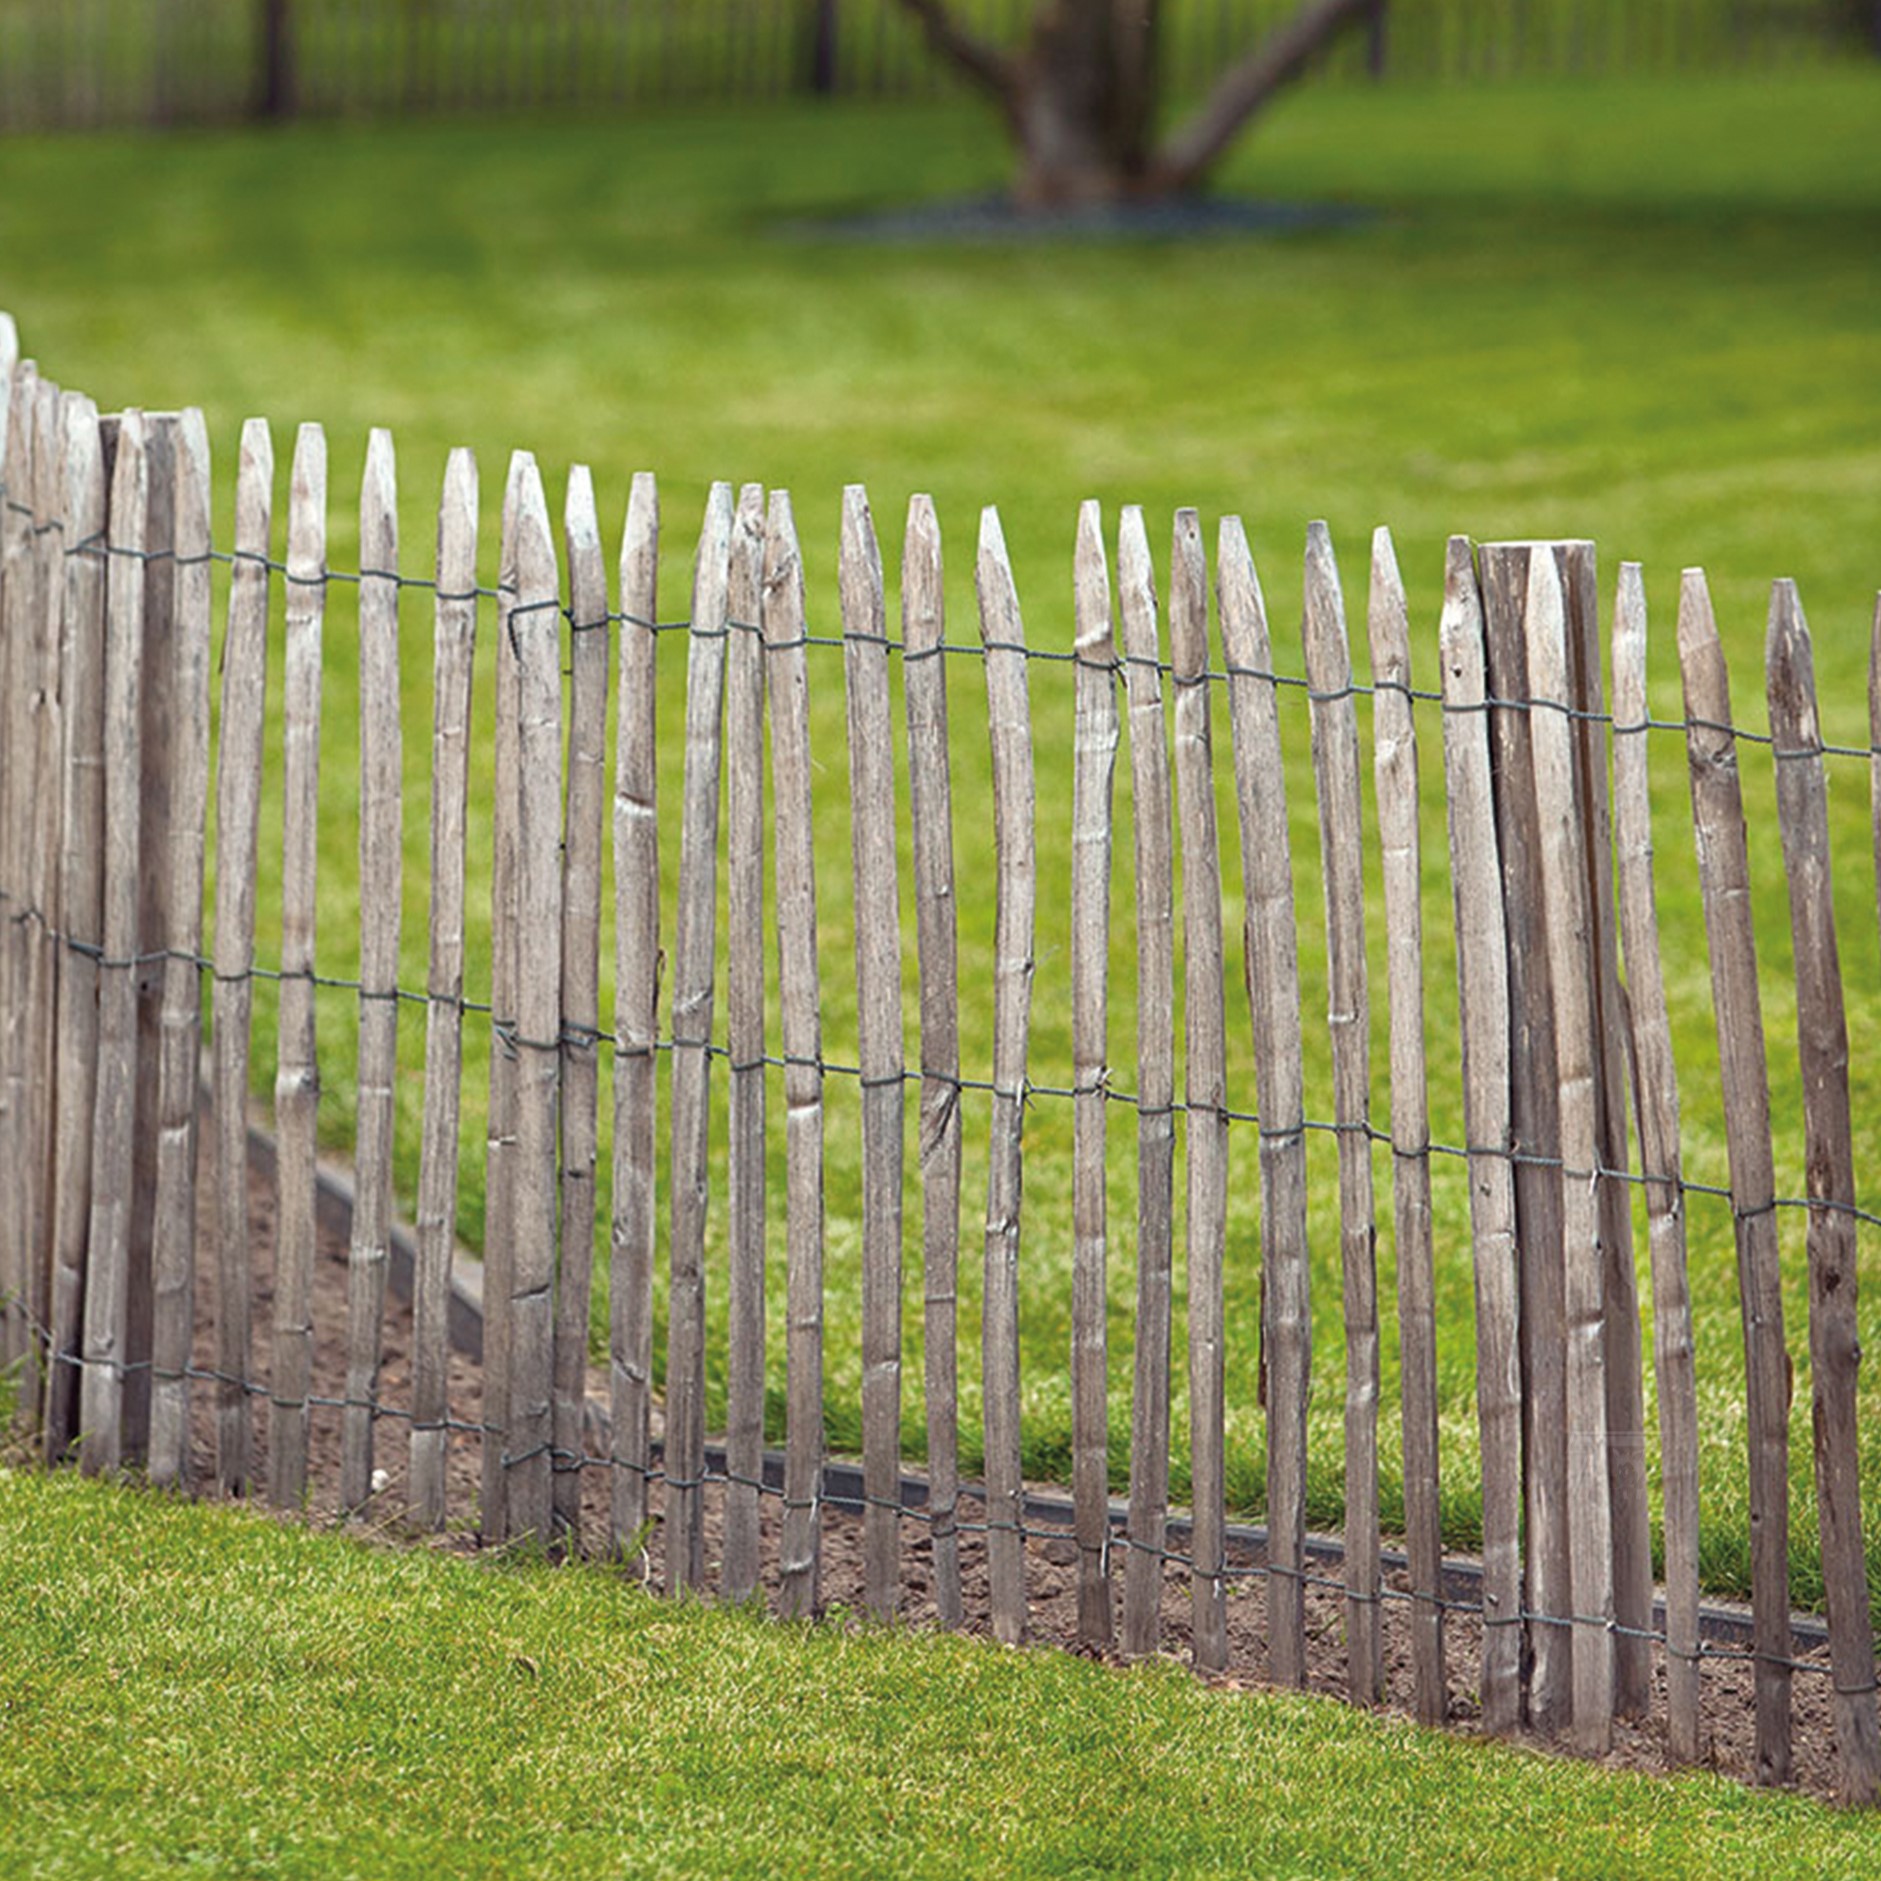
<point x="1051" y="1557"/>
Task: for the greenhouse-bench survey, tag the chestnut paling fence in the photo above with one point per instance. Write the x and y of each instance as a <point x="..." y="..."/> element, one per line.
<point x="109" y="1259"/>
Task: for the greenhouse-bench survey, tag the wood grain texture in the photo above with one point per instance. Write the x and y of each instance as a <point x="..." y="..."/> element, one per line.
<point x="633" y="1228"/>
<point x="535" y="628"/>
<point x="1724" y="879"/>
<point x="1394" y="738"/>
<point x="107" y="1278"/>
<point x="1829" y="1160"/>
<point x="454" y="645"/>
<point x="1002" y="633"/>
<point x="1476" y="874"/>
<point x="297" y="1076"/>
<point x="744" y="1036"/>
<point x="1348" y="1021"/>
<point x="1567" y="923"/>
<point x="694" y="964"/>
<point x="179" y="1078"/>
<point x="799" y="1001"/>
<point x="1205" y="1088"/>
<point x="81" y="899"/>
<point x="878" y="1036"/>
<point x="1094" y="766"/>
<point x="584" y="818"/>
<point x="1154" y="849"/>
<point x="238" y="815"/>
<point x="1273" y="978"/>
<point x="17" y="570"/>
<point x="1656" y="1100"/>
<point x="1535" y="1123"/>
<point x="930" y="807"/>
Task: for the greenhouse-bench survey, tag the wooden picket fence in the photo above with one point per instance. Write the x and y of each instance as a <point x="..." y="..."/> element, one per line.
<point x="107" y="1253"/>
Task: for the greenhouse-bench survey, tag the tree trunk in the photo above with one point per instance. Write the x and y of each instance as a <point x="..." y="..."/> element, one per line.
<point x="1084" y="107"/>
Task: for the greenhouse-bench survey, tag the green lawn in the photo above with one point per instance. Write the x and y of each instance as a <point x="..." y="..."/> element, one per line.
<point x="192" y="1688"/>
<point x="1641" y="312"/>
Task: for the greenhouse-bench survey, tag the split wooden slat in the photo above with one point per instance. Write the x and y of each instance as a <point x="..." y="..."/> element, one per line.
<point x="1631" y="1512"/>
<point x="81" y="899"/>
<point x="535" y="629"/>
<point x="1394" y="736"/>
<point x="1348" y="1021"/>
<point x="1205" y="1088"/>
<point x="1535" y="1126"/>
<point x="585" y="813"/>
<point x="297" y="1081"/>
<point x="930" y="806"/>
<point x="238" y="815"/>
<point x="1094" y="766"/>
<point x="1737" y="1000"/>
<point x="694" y="950"/>
<point x="1566" y="921"/>
<point x="1273" y="977"/>
<point x="1655" y="1083"/>
<point x="454" y="656"/>
<point x="499" y="1177"/>
<point x="878" y="1035"/>
<point x="179" y="1078"/>
<point x="1829" y="1158"/>
<point x="1009" y="720"/>
<point x="381" y="880"/>
<point x="17" y="570"/>
<point x="1156" y="1086"/>
<point x="744" y="1038"/>
<point x="107" y="1278"/>
<point x="43" y="848"/>
<point x="1477" y="878"/>
<point x="636" y="1025"/>
<point x="786" y="682"/>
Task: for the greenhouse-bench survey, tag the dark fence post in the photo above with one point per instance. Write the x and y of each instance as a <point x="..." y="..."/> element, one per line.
<point x="820" y="66"/>
<point x="275" y="93"/>
<point x="1375" y="39"/>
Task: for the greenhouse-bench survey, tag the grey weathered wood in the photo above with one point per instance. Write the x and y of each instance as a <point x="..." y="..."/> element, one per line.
<point x="1724" y="878"/>
<point x="1394" y="735"/>
<point x="81" y="899"/>
<point x="694" y="962"/>
<point x="297" y="1080"/>
<point x="793" y="834"/>
<point x="878" y="1037"/>
<point x="1205" y="1088"/>
<point x="585" y="814"/>
<point x="42" y="850"/>
<point x="1656" y="1098"/>
<point x="1348" y="1021"/>
<point x="1094" y="766"/>
<point x="1874" y="739"/>
<point x="454" y="655"/>
<point x="1156" y="1085"/>
<point x="1002" y="633"/>
<point x="1567" y="921"/>
<point x="1535" y="1125"/>
<point x="238" y="805"/>
<point x="179" y="1029"/>
<point x="744" y="1037"/>
<point x="1476" y="874"/>
<point x="381" y="878"/>
<point x="1274" y="1005"/>
<point x="636" y="1024"/>
<point x="499" y="1176"/>
<point x="179" y="1078"/>
<point x="17" y="570"/>
<point x="1834" y="1333"/>
<point x="930" y="810"/>
<point x="535" y="630"/>
<point x="107" y="1279"/>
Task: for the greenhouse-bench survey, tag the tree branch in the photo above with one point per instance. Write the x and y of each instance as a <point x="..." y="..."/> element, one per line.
<point x="1248" y="87"/>
<point x="988" y="67"/>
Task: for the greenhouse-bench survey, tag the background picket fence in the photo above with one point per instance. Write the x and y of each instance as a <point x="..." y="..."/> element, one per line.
<point x="110" y="1260"/>
<point x="71" y="64"/>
